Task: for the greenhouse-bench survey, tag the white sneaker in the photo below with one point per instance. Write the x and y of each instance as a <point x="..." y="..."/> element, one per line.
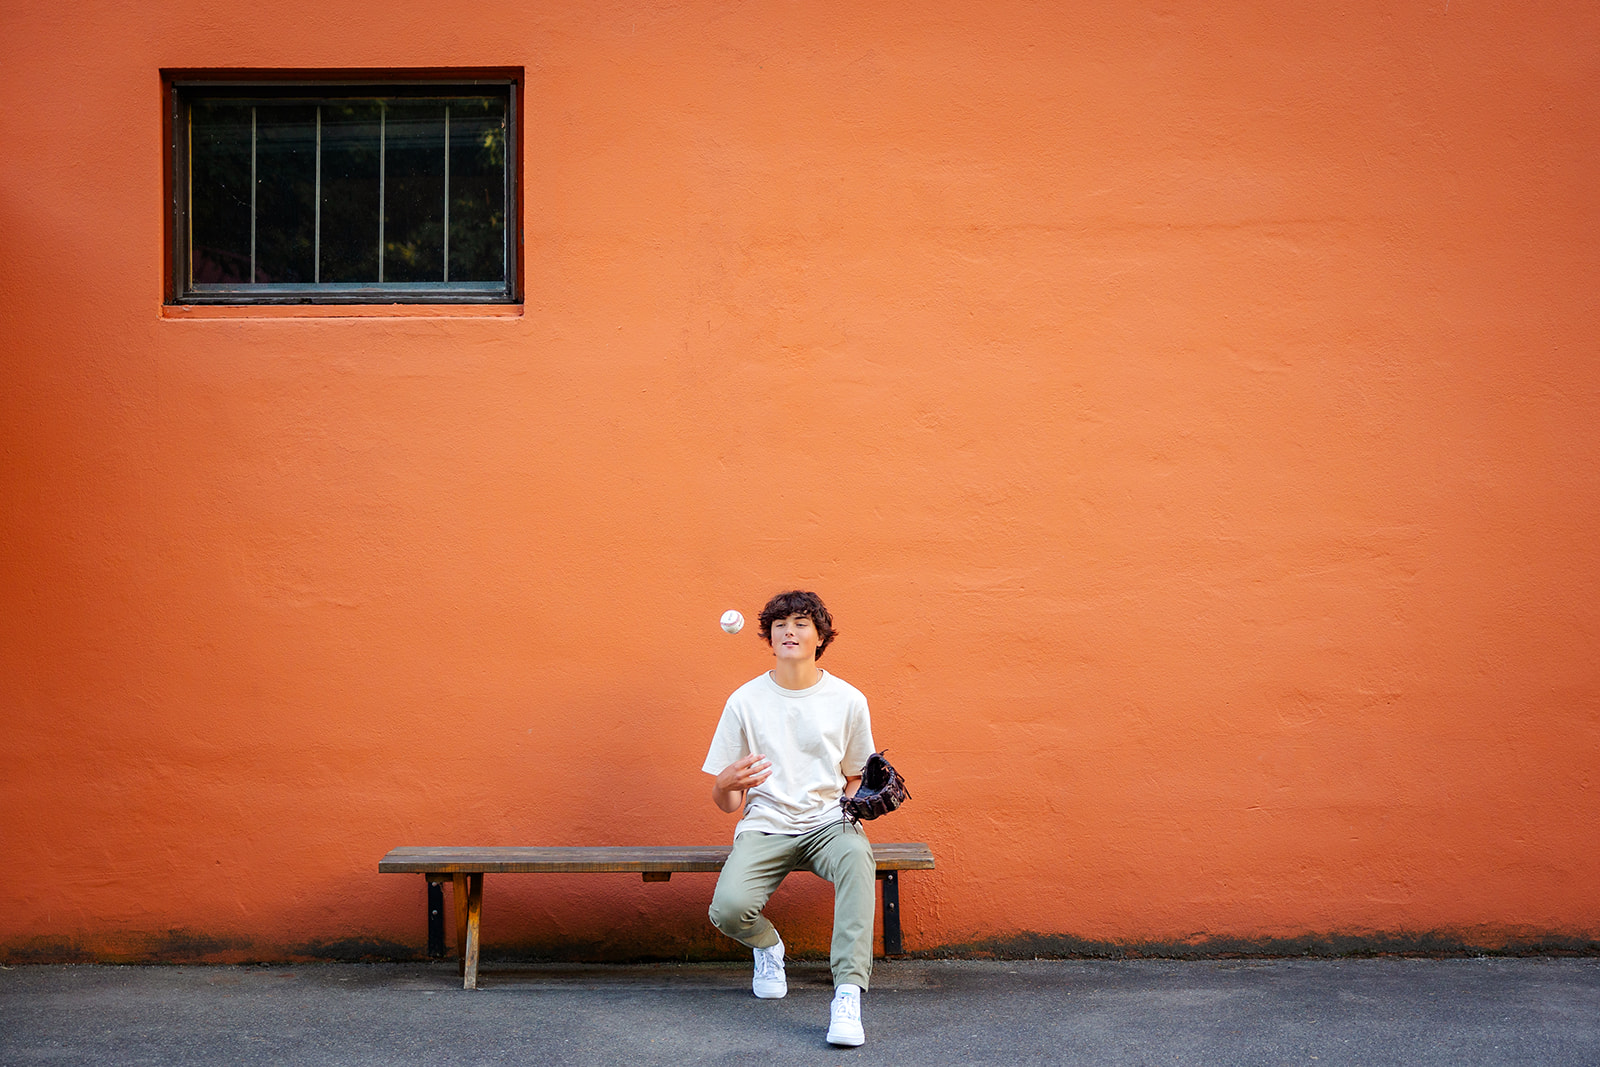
<point x="844" y="1021"/>
<point x="770" y="982"/>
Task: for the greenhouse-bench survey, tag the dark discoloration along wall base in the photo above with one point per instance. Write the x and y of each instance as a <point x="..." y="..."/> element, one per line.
<point x="185" y="946"/>
<point x="1427" y="943"/>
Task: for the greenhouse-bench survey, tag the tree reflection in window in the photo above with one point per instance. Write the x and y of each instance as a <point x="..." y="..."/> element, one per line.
<point x="361" y="192"/>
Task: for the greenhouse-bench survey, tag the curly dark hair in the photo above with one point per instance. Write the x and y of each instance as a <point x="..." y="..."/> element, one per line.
<point x="799" y="602"/>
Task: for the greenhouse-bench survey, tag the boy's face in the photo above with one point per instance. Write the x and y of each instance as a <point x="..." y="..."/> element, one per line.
<point x="795" y="638"/>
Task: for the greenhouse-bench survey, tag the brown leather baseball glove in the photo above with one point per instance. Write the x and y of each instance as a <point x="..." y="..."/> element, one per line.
<point x="882" y="790"/>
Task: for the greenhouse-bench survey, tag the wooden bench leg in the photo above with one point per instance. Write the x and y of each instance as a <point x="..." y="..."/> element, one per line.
<point x="891" y="913"/>
<point x="469" y="978"/>
<point x="435" y="917"/>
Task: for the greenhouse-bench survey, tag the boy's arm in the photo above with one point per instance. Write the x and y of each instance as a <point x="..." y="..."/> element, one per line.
<point x="729" y="787"/>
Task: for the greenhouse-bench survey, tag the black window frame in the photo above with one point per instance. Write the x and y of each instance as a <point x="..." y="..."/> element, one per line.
<point x="184" y="86"/>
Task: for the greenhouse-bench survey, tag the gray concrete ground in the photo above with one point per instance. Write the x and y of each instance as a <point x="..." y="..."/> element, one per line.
<point x="1323" y="1012"/>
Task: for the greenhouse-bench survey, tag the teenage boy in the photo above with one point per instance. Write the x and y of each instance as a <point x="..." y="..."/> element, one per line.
<point x="791" y="742"/>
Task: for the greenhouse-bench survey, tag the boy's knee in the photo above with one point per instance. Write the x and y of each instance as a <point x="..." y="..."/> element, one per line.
<point x="859" y="855"/>
<point x="854" y="861"/>
<point x="729" y="912"/>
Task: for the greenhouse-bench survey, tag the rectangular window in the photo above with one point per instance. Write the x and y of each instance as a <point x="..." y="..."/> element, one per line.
<point x="344" y="192"/>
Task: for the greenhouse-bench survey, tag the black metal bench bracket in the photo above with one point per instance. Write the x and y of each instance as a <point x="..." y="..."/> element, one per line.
<point x="435" y="920"/>
<point x="891" y="913"/>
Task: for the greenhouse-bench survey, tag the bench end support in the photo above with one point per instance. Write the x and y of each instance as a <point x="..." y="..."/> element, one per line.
<point x="892" y="945"/>
<point x="435" y="919"/>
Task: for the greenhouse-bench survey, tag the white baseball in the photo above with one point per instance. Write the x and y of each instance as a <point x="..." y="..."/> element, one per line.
<point x="732" y="621"/>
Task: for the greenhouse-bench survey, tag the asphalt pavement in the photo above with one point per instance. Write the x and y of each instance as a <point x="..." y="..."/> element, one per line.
<point x="1231" y="1012"/>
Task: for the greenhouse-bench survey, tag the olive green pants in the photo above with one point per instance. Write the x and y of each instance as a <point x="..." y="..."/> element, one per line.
<point x="838" y="852"/>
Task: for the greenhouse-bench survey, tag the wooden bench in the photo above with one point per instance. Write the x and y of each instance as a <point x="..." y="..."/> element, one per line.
<point x="464" y="869"/>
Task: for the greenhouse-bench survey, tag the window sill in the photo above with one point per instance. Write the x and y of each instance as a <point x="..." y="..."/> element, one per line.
<point x="341" y="311"/>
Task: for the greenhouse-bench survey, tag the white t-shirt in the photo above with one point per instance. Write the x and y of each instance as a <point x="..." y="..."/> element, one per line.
<point x="815" y="738"/>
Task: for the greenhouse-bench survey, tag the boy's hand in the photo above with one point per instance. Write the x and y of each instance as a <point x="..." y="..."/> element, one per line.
<point x="745" y="773"/>
<point x="737" y="777"/>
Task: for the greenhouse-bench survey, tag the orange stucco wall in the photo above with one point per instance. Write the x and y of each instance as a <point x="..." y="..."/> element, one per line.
<point x="1191" y="412"/>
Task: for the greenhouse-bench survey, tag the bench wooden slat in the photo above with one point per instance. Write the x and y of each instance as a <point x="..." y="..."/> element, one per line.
<point x="442" y="859"/>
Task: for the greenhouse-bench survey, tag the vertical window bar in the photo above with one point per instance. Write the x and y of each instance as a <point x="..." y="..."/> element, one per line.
<point x="188" y="219"/>
<point x="316" y="218"/>
<point x="252" y="194"/>
<point x="447" y="192"/>
<point x="508" y="212"/>
<point x="383" y="152"/>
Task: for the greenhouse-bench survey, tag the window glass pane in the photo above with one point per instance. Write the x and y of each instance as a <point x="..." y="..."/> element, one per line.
<point x="477" y="190"/>
<point x="413" y="223"/>
<point x="219" y="204"/>
<point x="286" y="177"/>
<point x="307" y="192"/>
<point x="350" y="191"/>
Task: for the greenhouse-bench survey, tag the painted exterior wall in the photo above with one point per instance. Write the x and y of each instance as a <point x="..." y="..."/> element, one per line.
<point x="1191" y="413"/>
